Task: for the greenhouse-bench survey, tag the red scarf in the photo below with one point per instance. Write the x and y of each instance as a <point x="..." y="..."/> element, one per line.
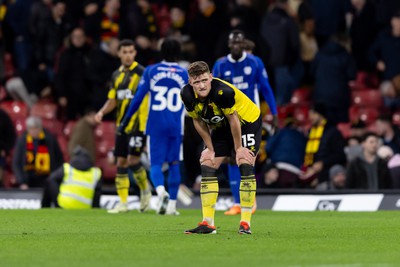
<point x="38" y="160"/>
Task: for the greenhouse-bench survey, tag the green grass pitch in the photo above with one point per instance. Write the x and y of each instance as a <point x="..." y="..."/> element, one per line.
<point x="94" y="238"/>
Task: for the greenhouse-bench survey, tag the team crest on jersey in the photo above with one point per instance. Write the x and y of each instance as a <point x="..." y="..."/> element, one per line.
<point x="220" y="92"/>
<point x="247" y="70"/>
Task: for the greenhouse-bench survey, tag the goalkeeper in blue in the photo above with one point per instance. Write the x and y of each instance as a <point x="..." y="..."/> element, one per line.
<point x="247" y="73"/>
<point x="163" y="82"/>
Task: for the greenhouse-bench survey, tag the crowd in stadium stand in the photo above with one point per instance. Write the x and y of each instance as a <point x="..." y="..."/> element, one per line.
<point x="334" y="66"/>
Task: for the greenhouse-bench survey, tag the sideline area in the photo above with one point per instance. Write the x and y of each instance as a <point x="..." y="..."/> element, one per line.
<point x="276" y="200"/>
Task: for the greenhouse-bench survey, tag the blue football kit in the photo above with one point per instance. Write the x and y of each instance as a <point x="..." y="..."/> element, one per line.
<point x="163" y="82"/>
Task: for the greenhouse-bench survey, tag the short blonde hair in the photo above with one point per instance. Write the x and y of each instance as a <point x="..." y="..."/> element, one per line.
<point x="198" y="68"/>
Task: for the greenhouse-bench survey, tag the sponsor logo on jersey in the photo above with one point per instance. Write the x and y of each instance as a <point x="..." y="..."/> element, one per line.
<point x="124" y="94"/>
<point x="247" y="70"/>
<point x="214" y="120"/>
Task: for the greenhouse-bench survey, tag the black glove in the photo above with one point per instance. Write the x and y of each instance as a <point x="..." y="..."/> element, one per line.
<point x="121" y="128"/>
<point x="275" y="124"/>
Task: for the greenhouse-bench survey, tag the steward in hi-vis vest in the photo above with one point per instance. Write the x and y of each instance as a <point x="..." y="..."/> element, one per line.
<point x="75" y="185"/>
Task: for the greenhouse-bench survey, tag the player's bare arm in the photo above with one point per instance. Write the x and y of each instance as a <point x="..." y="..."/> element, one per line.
<point x="107" y="108"/>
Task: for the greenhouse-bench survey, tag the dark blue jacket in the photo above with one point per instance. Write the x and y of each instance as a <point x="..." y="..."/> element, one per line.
<point x="288" y="146"/>
<point x="386" y="48"/>
<point x="333" y="68"/>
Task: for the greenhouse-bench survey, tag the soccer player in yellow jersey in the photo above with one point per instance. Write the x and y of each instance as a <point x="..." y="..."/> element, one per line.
<point x="235" y="124"/>
<point x="129" y="144"/>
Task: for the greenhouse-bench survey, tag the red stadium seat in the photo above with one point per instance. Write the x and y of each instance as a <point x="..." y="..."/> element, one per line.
<point x="301" y="114"/>
<point x="10" y="180"/>
<point x="54" y="126"/>
<point x="45" y="110"/>
<point x="345" y="129"/>
<point x="366" y="114"/>
<point x="69" y="126"/>
<point x="106" y="130"/>
<point x="20" y="126"/>
<point x="396" y="118"/>
<point x="104" y="146"/>
<point x="364" y="81"/>
<point x="367" y="79"/>
<point x="108" y="170"/>
<point x="17" y="110"/>
<point x="285" y="110"/>
<point x="3" y="93"/>
<point x="367" y="98"/>
<point x="9" y="69"/>
<point x="301" y="96"/>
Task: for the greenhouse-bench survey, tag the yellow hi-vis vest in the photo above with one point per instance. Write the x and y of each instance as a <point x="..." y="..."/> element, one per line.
<point x="78" y="187"/>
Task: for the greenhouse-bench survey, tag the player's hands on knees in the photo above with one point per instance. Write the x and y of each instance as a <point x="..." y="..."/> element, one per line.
<point x="207" y="155"/>
<point x="245" y="155"/>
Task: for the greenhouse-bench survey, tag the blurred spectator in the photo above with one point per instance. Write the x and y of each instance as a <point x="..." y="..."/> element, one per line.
<point x="71" y="81"/>
<point x="394" y="168"/>
<point x="210" y="21"/>
<point x="281" y="35"/>
<point x="353" y="148"/>
<point x="18" y="18"/>
<point x="308" y="46"/>
<point x="36" y="154"/>
<point x="368" y="171"/>
<point x="286" y="153"/>
<point x="7" y="140"/>
<point x="3" y="9"/>
<point x="179" y="30"/>
<point x="242" y="16"/>
<point x="16" y="88"/>
<point x="324" y="149"/>
<point x="333" y="68"/>
<point x="390" y="91"/>
<point x="388" y="132"/>
<point x="384" y="152"/>
<point x="102" y="63"/>
<point x="75" y="185"/>
<point x="101" y="24"/>
<point x="385" y="53"/>
<point x="385" y="10"/>
<point x="48" y="29"/>
<point x="329" y="17"/>
<point x="144" y="30"/>
<point x="83" y="134"/>
<point x="362" y="16"/>
<point x="337" y="177"/>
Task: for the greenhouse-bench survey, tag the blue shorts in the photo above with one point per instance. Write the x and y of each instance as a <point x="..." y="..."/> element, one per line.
<point x="164" y="149"/>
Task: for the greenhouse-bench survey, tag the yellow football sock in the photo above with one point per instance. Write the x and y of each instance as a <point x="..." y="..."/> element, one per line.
<point x="122" y="185"/>
<point x="140" y="176"/>
<point x="209" y="194"/>
<point x="247" y="196"/>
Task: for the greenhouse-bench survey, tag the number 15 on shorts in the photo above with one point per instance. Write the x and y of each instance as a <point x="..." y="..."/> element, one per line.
<point x="248" y="140"/>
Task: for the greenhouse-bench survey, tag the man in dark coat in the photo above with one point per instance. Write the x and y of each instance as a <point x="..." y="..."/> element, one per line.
<point x="368" y="171"/>
<point x="7" y="140"/>
<point x="36" y="155"/>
